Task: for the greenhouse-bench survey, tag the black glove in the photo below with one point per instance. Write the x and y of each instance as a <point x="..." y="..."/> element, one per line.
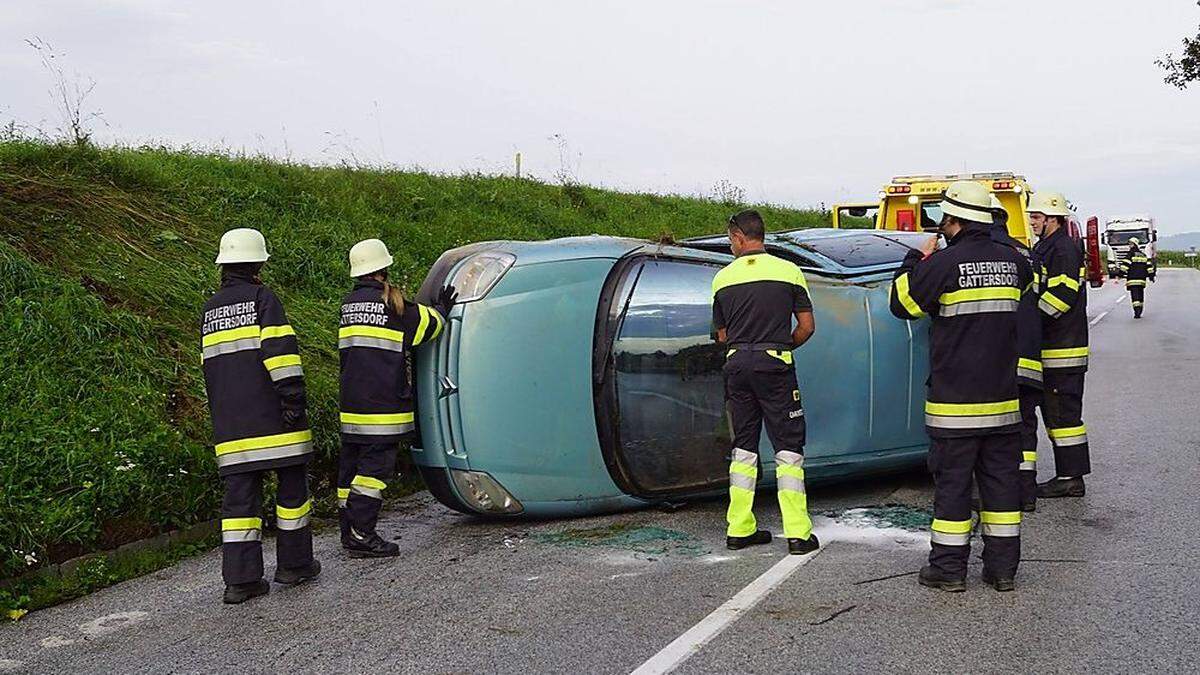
<point x="445" y="300"/>
<point x="292" y="418"/>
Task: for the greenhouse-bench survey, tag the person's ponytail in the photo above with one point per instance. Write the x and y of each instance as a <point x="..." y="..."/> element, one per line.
<point x="393" y="298"/>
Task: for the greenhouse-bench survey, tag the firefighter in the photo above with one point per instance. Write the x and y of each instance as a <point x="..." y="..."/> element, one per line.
<point x="378" y="331"/>
<point x="754" y="300"/>
<point x="1029" y="359"/>
<point x="255" y="386"/>
<point x="1063" y="305"/>
<point x="1136" y="268"/>
<point x="972" y="291"/>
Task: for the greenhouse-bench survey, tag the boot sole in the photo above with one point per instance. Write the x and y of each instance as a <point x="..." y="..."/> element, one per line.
<point x="1073" y="493"/>
<point x="239" y="601"/>
<point x="295" y="582"/>
<point x="947" y="586"/>
<point x="371" y="554"/>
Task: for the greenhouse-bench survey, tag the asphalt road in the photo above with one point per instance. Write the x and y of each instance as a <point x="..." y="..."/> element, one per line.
<point x="1107" y="584"/>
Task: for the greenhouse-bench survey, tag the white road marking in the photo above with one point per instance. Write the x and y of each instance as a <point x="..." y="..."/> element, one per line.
<point x="1097" y="319"/>
<point x="1120" y="299"/>
<point x="712" y="625"/>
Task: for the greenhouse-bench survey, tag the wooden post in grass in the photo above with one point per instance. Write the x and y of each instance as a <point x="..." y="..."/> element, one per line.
<point x="518" y="165"/>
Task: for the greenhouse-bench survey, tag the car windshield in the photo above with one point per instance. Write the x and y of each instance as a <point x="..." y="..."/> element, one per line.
<point x="668" y="379"/>
<point x="865" y="250"/>
<point x="1122" y="237"/>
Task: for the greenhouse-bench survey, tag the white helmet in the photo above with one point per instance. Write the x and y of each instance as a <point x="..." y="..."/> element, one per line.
<point x="1048" y="203"/>
<point x="1135" y="241"/>
<point x="968" y="200"/>
<point x="367" y="256"/>
<point x="242" y="245"/>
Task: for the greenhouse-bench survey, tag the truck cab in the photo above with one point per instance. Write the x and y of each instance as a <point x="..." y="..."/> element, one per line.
<point x="1118" y="230"/>
<point x="913" y="203"/>
<point x="855" y="216"/>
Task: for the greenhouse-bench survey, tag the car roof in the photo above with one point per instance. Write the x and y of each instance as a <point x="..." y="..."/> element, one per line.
<point x="806" y="242"/>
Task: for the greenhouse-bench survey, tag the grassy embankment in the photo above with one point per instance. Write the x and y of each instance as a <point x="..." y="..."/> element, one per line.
<point x="105" y="259"/>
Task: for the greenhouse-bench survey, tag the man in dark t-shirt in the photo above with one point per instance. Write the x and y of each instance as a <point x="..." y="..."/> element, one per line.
<point x="754" y="300"/>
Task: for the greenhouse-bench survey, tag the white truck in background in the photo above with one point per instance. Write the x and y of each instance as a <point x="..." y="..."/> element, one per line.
<point x="1118" y="230"/>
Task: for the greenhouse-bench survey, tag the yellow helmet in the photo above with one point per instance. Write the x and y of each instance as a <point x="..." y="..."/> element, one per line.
<point x="968" y="200"/>
<point x="1048" y="203"/>
<point x="1135" y="241"/>
<point x="242" y="245"/>
<point x="367" y="256"/>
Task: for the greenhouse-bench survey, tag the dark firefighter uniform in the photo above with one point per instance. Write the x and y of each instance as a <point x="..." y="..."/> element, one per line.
<point x="376" y="402"/>
<point x="1029" y="360"/>
<point x="754" y="299"/>
<point x="255" y="382"/>
<point x="972" y="291"/>
<point x="1136" y="268"/>
<point x="1063" y="303"/>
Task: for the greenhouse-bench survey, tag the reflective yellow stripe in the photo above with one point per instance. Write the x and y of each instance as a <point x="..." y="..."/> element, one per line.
<point x="789" y="470"/>
<point x="439" y="323"/>
<point x="967" y="409"/>
<point x="730" y="353"/>
<point x="1071" y="352"/>
<point x="419" y="337"/>
<point x="758" y="267"/>
<point x="258" y="442"/>
<point x="282" y="361"/>
<point x="951" y="526"/>
<point x="1000" y="517"/>
<point x="746" y="470"/>
<point x="368" y="482"/>
<point x="269" y="332"/>
<point x="343" y="493"/>
<point x="370" y="331"/>
<point x="292" y="514"/>
<point x="241" y="524"/>
<point x="786" y="357"/>
<point x="1052" y="300"/>
<point x="1063" y="280"/>
<point x="989" y="293"/>
<point x="900" y="287"/>
<point x="1029" y="455"/>
<point x="386" y="418"/>
<point x="1029" y="363"/>
<point x="1068" y="431"/>
<point x="229" y="335"/>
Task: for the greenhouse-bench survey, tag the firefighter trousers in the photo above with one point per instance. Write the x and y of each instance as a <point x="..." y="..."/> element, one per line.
<point x="1031" y="399"/>
<point x="1062" y="411"/>
<point x="363" y="472"/>
<point x="1137" y="298"/>
<point x="242" y="525"/>
<point x="992" y="461"/>
<point x="761" y="387"/>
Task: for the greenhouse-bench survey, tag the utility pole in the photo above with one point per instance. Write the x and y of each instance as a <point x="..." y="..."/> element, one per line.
<point x="518" y="158"/>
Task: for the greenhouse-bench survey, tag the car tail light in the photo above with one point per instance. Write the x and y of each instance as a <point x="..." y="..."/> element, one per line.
<point x="483" y="493"/>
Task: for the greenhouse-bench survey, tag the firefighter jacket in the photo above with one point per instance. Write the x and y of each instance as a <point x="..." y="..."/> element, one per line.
<point x="972" y="291"/>
<point x="1029" y="318"/>
<point x="1063" y="303"/>
<point x="252" y="373"/>
<point x="1136" y="267"/>
<point x="376" y="393"/>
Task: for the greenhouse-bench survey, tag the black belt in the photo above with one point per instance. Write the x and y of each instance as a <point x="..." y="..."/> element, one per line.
<point x="761" y="346"/>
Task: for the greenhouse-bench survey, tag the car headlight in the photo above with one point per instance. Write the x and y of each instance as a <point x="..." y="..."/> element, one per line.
<point x="483" y="493"/>
<point x="479" y="273"/>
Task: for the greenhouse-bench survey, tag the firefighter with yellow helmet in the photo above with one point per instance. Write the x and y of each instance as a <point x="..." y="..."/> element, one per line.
<point x="1136" y="267"/>
<point x="1063" y="305"/>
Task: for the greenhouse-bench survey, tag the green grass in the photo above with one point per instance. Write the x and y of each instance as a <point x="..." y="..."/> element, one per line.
<point x="106" y="258"/>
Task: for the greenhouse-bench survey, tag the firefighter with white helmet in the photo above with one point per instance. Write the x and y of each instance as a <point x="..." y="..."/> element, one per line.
<point x="971" y="290"/>
<point x="1063" y="305"/>
<point x="378" y="331"/>
<point x="1136" y="267"/>
<point x="255" y="385"/>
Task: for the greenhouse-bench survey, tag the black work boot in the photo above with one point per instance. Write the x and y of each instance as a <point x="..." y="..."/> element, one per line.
<point x="1061" y="487"/>
<point x="370" y="546"/>
<point x="236" y="594"/>
<point x="802" y="546"/>
<point x="738" y="543"/>
<point x="934" y="578"/>
<point x="290" y="576"/>
<point x="344" y="524"/>
<point x="1002" y="584"/>
<point x="1029" y="491"/>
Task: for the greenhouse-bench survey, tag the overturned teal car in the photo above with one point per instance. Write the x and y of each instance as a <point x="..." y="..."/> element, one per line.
<point x="581" y="375"/>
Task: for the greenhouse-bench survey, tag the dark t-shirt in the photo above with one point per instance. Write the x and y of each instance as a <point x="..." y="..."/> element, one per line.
<point x="755" y="296"/>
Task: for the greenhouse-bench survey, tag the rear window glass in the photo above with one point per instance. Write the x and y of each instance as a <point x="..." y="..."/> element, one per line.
<point x="867" y="250"/>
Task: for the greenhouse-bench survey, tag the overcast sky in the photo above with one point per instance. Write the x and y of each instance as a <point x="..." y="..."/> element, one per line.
<point x="796" y="102"/>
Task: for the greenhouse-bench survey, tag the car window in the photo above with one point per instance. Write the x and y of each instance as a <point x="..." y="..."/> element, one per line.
<point x="668" y="379"/>
<point x="866" y="250"/>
